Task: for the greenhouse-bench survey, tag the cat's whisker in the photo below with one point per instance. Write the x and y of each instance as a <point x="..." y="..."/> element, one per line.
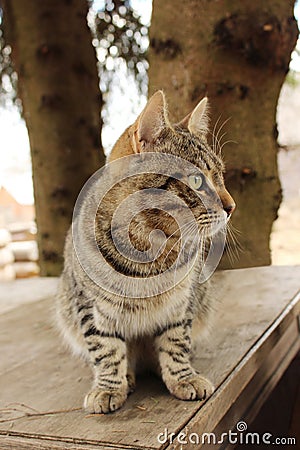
<point x="186" y="232"/>
<point x="213" y="134"/>
<point x="181" y="250"/>
<point x="222" y="126"/>
<point x="216" y="144"/>
<point x="207" y="241"/>
<point x="216" y="136"/>
<point x="233" y="246"/>
<point x="201" y="251"/>
<point x="168" y="253"/>
<point x="190" y="230"/>
<point x="231" y="255"/>
<point x="230" y="141"/>
<point x="165" y="242"/>
<point x="233" y="229"/>
<point x="238" y="247"/>
<point x="220" y="142"/>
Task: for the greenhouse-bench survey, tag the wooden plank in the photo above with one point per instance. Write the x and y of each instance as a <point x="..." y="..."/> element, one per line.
<point x="19" y="292"/>
<point x="294" y="425"/>
<point x="36" y="370"/>
<point x="33" y="443"/>
<point x="248" y="404"/>
<point x="251" y="381"/>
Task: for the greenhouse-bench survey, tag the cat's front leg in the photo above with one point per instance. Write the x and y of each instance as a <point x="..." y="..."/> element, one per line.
<point x="173" y="345"/>
<point x="108" y="357"/>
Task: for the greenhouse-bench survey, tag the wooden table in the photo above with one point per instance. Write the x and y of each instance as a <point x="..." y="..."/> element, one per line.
<point x="253" y="340"/>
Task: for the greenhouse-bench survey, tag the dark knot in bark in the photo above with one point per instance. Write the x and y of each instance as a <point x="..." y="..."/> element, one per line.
<point x="259" y="38"/>
<point x="167" y="48"/>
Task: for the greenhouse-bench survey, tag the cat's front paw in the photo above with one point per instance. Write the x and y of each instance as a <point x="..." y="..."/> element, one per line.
<point x="104" y="401"/>
<point x="194" y="387"/>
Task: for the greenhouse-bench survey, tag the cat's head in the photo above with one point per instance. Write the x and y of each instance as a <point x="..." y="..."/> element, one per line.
<point x="201" y="186"/>
<point x="151" y="211"/>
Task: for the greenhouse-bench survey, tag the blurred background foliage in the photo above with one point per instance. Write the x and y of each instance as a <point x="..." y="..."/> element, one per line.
<point x="8" y="76"/>
<point x="120" y="38"/>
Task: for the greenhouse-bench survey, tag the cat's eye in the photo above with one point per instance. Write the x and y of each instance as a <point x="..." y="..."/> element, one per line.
<point x="196" y="182"/>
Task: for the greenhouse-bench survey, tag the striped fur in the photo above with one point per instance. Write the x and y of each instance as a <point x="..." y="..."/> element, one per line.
<point x="118" y="335"/>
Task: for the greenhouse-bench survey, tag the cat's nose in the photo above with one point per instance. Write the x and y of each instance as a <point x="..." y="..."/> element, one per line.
<point x="227" y="201"/>
<point x="229" y="208"/>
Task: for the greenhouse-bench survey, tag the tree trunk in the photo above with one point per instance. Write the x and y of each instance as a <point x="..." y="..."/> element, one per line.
<point x="59" y="88"/>
<point x="237" y="53"/>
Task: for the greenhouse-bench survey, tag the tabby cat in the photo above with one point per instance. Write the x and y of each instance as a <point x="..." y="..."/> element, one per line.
<point x="121" y="331"/>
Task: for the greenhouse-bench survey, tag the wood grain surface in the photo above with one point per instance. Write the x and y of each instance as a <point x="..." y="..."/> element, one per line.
<point x="254" y="337"/>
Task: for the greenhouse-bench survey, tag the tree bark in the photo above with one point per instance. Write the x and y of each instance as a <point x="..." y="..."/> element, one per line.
<point x="237" y="53"/>
<point x="59" y="87"/>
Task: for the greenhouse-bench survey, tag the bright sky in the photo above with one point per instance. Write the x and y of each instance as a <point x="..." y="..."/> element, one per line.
<point x="15" y="166"/>
<point x="295" y="61"/>
<point x="15" y="163"/>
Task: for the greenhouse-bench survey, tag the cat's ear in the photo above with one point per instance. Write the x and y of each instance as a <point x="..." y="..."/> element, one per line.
<point x="197" y="121"/>
<point x="150" y="122"/>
